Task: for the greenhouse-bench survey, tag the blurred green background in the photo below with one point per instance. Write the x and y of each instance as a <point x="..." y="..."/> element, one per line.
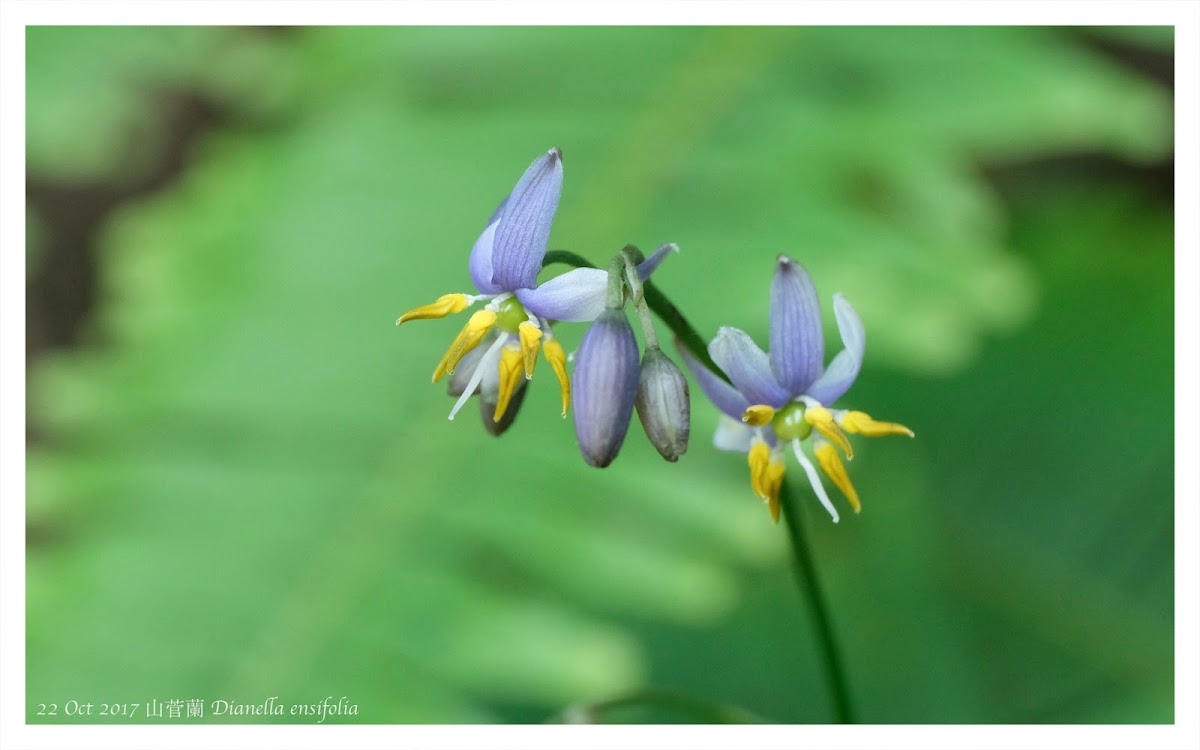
<point x="241" y="483"/>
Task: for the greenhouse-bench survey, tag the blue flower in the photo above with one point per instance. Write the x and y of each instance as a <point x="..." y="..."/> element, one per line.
<point x="782" y="400"/>
<point x="504" y="265"/>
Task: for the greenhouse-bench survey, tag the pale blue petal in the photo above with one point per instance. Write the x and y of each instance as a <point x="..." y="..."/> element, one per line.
<point x="651" y="264"/>
<point x="732" y="435"/>
<point x="480" y="263"/>
<point x="524" y="223"/>
<point x="797" y="342"/>
<point x="723" y="395"/>
<point x="843" y="370"/>
<point x="747" y="367"/>
<point x="576" y="296"/>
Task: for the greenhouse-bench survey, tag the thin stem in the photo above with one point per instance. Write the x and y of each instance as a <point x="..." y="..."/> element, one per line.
<point x="684" y="705"/>
<point x="679" y="325"/>
<point x="616" y="284"/>
<point x="630" y="254"/>
<point x="658" y="302"/>
<point x="806" y="574"/>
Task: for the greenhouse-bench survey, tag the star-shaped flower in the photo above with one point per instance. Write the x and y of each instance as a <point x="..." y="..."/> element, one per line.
<point x="782" y="400"/>
<point x="504" y="265"/>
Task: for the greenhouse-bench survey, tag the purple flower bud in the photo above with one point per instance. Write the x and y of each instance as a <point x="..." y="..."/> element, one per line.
<point x="663" y="405"/>
<point x="604" y="385"/>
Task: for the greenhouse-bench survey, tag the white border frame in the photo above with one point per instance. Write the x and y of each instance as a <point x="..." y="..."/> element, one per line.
<point x="15" y="15"/>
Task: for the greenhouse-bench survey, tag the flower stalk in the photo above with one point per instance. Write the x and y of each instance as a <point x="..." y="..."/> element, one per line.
<point x="632" y="257"/>
<point x="658" y="302"/>
<point x="803" y="562"/>
<point x="770" y="402"/>
<point x="810" y="587"/>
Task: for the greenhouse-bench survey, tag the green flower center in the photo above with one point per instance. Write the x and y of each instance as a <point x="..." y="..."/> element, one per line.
<point x="510" y="314"/>
<point x="789" y="423"/>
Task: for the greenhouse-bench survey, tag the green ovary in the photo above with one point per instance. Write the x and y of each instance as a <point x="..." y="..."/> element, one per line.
<point x="510" y="314"/>
<point x="789" y="423"/>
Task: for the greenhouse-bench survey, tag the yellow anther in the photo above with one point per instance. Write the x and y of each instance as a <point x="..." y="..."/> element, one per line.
<point x="759" y="458"/>
<point x="758" y="415"/>
<point x="466" y="340"/>
<point x="445" y="305"/>
<point x="857" y="421"/>
<point x="828" y="459"/>
<point x="822" y="421"/>
<point x="774" y="481"/>
<point x="509" y="370"/>
<point x="531" y="337"/>
<point x="558" y="362"/>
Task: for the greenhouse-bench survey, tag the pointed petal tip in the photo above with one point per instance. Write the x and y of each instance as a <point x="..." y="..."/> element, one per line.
<point x="555" y="153"/>
<point x="788" y="263"/>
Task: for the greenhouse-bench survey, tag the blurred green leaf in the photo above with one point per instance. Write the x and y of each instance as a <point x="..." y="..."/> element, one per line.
<point x="94" y="107"/>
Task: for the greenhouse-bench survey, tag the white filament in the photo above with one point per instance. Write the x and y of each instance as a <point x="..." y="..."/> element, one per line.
<point x="476" y="376"/>
<point x="814" y="480"/>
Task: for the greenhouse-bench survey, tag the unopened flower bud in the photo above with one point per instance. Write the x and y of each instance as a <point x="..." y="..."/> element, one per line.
<point x="604" y="384"/>
<point x="663" y="404"/>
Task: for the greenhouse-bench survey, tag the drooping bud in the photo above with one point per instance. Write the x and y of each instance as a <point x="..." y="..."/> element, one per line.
<point x="605" y="384"/>
<point x="663" y="404"/>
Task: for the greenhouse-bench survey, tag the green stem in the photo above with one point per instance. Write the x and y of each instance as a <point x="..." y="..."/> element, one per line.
<point x="636" y="288"/>
<point x="806" y="571"/>
<point x="658" y="302"/>
<point x="806" y="575"/>
<point x="684" y="705"/>
<point x="616" y="284"/>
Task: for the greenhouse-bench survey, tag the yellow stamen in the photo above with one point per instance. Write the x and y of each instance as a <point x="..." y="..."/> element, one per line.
<point x="774" y="481"/>
<point x="759" y="457"/>
<point x="758" y="415"/>
<point x="445" y="305"/>
<point x="510" y="374"/>
<point x="531" y="337"/>
<point x="466" y="340"/>
<point x="558" y="362"/>
<point x="827" y="457"/>
<point x="822" y="421"/>
<point x="857" y="421"/>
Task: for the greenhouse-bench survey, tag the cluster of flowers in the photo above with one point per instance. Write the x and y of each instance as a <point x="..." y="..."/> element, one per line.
<point x="770" y="402"/>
